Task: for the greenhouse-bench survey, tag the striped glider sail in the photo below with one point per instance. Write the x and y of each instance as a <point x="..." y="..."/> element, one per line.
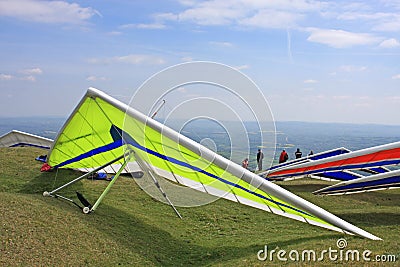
<point x="102" y="128"/>
<point x="309" y="158"/>
<point x="382" y="181"/>
<point x="370" y="158"/>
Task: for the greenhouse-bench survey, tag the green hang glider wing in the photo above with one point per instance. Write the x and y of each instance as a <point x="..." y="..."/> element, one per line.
<point x="101" y="129"/>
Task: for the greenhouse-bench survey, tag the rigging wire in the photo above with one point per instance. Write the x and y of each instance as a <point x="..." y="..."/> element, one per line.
<point x="55" y="179"/>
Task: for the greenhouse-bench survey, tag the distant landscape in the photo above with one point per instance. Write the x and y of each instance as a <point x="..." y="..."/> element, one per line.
<point x="306" y="136"/>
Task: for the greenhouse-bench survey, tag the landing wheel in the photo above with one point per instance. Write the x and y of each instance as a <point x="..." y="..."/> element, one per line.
<point x="86" y="210"/>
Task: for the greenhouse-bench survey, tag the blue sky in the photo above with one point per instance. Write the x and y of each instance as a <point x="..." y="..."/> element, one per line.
<point x="324" y="61"/>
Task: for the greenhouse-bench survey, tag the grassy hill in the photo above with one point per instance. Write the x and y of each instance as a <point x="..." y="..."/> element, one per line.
<point x="131" y="229"/>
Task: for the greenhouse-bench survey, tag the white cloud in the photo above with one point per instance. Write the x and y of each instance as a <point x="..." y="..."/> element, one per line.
<point x="46" y="11"/>
<point x="272" y="19"/>
<point x="5" y="77"/>
<point x="380" y="21"/>
<point x="33" y="71"/>
<point x="114" y="33"/>
<point x="221" y="44"/>
<point x="391" y="3"/>
<point x="352" y="68"/>
<point x="181" y="90"/>
<point x="389" y="26"/>
<point x="389" y="43"/>
<point x="340" y="38"/>
<point x="135" y="59"/>
<point x="393" y="99"/>
<point x="95" y="78"/>
<point x="29" y="78"/>
<point x="364" y="98"/>
<point x="149" y="26"/>
<point x="396" y="77"/>
<point x="28" y="75"/>
<point x="242" y="67"/>
<point x="255" y="13"/>
<point x="363" y="105"/>
<point x="364" y="16"/>
<point x="310" y="81"/>
<point x="298" y="5"/>
<point x="212" y="13"/>
<point x="341" y="97"/>
<point x="165" y="16"/>
<point x="187" y="59"/>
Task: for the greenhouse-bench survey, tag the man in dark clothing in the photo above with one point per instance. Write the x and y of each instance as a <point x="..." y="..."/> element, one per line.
<point x="260" y="157"/>
<point x="283" y="157"/>
<point x="298" y="153"/>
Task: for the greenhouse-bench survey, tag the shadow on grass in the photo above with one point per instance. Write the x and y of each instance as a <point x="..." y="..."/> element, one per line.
<point x="161" y="248"/>
<point x="379" y="198"/>
<point x="309" y="188"/>
<point x="372" y="218"/>
<point x="48" y="181"/>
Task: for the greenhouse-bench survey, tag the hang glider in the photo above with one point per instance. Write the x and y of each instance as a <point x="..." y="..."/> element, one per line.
<point x="371" y="160"/>
<point x="103" y="131"/>
<point x="381" y="181"/>
<point x="21" y="139"/>
<point x="309" y="158"/>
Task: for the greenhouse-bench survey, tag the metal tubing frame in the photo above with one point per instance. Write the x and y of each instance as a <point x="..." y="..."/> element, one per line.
<point x="164" y="194"/>
<point x="144" y="166"/>
<point x="98" y="201"/>
<point x="82" y="176"/>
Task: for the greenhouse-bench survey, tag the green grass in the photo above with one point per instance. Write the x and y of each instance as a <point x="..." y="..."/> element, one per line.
<point x="131" y="229"/>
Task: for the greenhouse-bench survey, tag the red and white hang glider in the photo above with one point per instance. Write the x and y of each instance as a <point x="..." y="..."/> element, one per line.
<point x="348" y="166"/>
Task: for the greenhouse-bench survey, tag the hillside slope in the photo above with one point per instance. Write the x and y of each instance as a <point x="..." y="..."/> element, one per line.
<point x="131" y="229"/>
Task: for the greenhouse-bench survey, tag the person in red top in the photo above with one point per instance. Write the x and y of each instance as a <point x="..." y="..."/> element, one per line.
<point x="283" y="157"/>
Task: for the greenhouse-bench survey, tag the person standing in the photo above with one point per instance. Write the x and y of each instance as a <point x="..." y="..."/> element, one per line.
<point x="283" y="157"/>
<point x="245" y="163"/>
<point x="260" y="156"/>
<point x="298" y="153"/>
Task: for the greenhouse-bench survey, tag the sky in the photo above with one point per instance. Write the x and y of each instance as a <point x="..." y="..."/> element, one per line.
<point x="318" y="61"/>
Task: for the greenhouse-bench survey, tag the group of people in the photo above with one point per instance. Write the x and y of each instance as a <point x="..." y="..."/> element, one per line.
<point x="260" y="157"/>
<point x="284" y="155"/>
<point x="282" y="158"/>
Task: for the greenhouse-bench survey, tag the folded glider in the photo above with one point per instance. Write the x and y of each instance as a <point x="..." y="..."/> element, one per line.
<point x="381" y="181"/>
<point x="102" y="131"/>
<point x="20" y="139"/>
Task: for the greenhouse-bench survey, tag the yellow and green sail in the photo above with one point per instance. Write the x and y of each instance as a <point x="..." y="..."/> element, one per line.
<point x="101" y="129"/>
